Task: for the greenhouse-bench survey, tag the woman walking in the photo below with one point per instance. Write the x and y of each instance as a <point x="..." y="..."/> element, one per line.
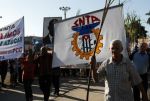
<point x="28" y="75"/>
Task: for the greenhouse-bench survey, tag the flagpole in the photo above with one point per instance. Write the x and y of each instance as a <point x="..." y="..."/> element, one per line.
<point x="107" y="5"/>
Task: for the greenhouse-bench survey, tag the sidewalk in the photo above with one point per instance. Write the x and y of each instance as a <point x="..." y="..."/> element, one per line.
<point x="72" y="89"/>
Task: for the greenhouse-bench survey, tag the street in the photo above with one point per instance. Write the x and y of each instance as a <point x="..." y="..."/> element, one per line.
<point x="72" y="89"/>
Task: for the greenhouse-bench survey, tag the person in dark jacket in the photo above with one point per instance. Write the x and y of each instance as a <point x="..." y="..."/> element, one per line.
<point x="3" y="67"/>
<point x="45" y="72"/>
<point x="56" y="80"/>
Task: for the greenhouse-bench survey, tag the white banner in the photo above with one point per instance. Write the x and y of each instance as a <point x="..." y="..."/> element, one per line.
<point x="12" y="40"/>
<point x="75" y="38"/>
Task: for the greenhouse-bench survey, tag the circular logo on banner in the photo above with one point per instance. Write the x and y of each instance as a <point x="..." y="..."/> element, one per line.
<point x="86" y="36"/>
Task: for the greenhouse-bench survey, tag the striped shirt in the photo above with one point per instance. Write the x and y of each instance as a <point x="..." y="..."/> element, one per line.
<point x="119" y="79"/>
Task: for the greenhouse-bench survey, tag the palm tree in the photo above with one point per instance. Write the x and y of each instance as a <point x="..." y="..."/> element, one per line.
<point x="134" y="28"/>
<point x="131" y="24"/>
<point x="148" y="20"/>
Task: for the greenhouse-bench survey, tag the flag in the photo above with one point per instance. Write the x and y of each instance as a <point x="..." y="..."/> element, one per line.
<point x="75" y="38"/>
<point x="12" y="40"/>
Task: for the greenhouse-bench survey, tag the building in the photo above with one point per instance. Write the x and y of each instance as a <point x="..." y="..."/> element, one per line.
<point x="32" y="42"/>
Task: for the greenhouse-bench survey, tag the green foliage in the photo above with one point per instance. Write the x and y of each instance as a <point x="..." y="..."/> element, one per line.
<point x="148" y="20"/>
<point x="134" y="28"/>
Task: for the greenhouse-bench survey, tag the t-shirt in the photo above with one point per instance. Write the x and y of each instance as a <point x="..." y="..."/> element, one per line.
<point x="28" y="70"/>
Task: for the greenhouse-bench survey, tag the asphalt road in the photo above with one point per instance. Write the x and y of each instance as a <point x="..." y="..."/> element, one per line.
<point x="72" y="89"/>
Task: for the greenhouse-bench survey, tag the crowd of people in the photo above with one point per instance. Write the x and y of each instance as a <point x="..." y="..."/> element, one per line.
<point x="125" y="78"/>
<point x="15" y="70"/>
<point x="24" y="70"/>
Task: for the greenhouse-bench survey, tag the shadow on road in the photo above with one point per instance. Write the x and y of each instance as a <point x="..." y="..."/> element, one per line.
<point x="72" y="89"/>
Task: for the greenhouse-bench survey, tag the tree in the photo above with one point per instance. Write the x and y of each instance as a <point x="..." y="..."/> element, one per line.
<point x="134" y="28"/>
<point x="148" y="20"/>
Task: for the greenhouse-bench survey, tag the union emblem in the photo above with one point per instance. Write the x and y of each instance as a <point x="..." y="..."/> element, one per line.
<point x="86" y="36"/>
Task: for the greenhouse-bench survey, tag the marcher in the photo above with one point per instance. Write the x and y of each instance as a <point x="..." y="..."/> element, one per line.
<point x="49" y="39"/>
<point x="15" y="73"/>
<point x="56" y="80"/>
<point x="28" y="75"/>
<point x="119" y="74"/>
<point x="3" y="67"/>
<point x="45" y="72"/>
<point x="20" y="70"/>
<point x="141" y="60"/>
<point x="12" y="72"/>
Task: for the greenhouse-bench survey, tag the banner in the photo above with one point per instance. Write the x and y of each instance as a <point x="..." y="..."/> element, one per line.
<point x="75" y="38"/>
<point x="12" y="40"/>
<point x="48" y="29"/>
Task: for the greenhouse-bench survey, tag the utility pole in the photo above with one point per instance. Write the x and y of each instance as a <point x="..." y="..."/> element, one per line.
<point x="65" y="9"/>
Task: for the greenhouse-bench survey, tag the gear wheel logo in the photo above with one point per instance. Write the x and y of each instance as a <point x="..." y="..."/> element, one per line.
<point x="84" y="40"/>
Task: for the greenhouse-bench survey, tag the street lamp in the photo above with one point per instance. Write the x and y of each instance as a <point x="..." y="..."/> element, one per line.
<point x="65" y="9"/>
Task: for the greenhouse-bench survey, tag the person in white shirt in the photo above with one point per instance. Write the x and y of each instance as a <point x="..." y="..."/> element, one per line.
<point x="119" y="74"/>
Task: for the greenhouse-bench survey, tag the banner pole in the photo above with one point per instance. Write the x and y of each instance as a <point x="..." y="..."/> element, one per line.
<point x="107" y="5"/>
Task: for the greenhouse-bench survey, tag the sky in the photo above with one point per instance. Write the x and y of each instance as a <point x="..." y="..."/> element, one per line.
<point x="34" y="11"/>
